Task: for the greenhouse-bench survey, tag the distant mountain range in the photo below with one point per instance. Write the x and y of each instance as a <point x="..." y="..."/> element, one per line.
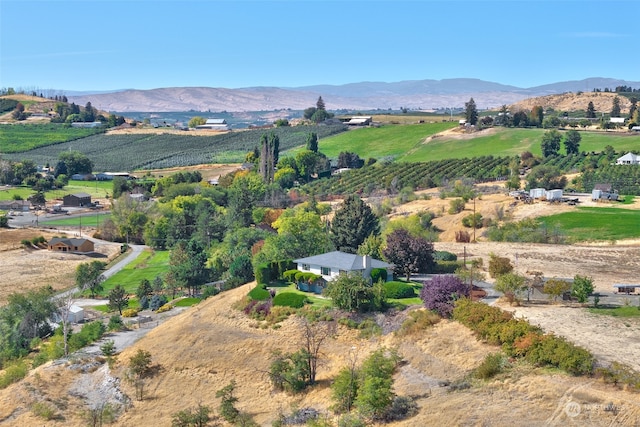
<point x="412" y="94"/>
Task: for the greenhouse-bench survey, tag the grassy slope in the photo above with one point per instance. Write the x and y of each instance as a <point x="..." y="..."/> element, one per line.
<point x="147" y="266"/>
<point x="405" y="142"/>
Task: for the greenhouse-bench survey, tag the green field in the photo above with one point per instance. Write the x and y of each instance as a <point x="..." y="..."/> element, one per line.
<point x="591" y="224"/>
<point x="406" y="142"/>
<point x="85" y="220"/>
<point x="16" y="138"/>
<point x="147" y="266"/>
<point x="97" y="190"/>
<point x="625" y="311"/>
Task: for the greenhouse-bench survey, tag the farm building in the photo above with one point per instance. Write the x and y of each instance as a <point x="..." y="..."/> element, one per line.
<point x="15" y="205"/>
<point x="625" y="288"/>
<point x="77" y="199"/>
<point x="359" y="121"/>
<point x="109" y="176"/>
<point x="82" y="177"/>
<point x="619" y="120"/>
<point x="214" y="124"/>
<point x="61" y="244"/>
<point x="86" y="124"/>
<point x="628" y="159"/>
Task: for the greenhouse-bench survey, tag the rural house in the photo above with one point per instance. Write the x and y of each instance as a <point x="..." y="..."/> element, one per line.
<point x="61" y="244"/>
<point x="15" y="205"/>
<point x="77" y="199"/>
<point x="330" y="265"/>
<point x="628" y="159"/>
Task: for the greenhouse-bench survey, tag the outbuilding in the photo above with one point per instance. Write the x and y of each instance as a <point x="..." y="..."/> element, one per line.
<point x="77" y="200"/>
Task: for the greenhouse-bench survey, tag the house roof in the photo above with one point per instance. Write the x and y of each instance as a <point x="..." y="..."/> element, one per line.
<point x="68" y="242"/>
<point x="628" y="157"/>
<point x="341" y="261"/>
<point x="80" y="195"/>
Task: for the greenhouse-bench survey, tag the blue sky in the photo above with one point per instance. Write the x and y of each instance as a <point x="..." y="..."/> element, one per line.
<point x="146" y="44"/>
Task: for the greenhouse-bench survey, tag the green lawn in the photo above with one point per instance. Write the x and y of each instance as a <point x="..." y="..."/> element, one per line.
<point x="591" y="224"/>
<point x="147" y="266"/>
<point x="97" y="189"/>
<point x="86" y="220"/>
<point x="626" y="311"/>
<point x="187" y="302"/>
<point x="317" y="301"/>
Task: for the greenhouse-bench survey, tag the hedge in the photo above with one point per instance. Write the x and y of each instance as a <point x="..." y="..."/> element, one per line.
<point x="444" y="256"/>
<point x="378" y="274"/>
<point x="398" y="290"/>
<point x="289" y="299"/>
<point x="447" y="267"/>
<point x="259" y="293"/>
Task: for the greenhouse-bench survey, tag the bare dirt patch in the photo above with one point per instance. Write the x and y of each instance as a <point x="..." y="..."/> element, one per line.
<point x="25" y="269"/>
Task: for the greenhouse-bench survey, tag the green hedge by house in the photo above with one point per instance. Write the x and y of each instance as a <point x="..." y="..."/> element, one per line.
<point x="289" y="299"/>
<point x="447" y="267"/>
<point x="259" y="293"/>
<point x="398" y="290"/>
<point x="378" y="274"/>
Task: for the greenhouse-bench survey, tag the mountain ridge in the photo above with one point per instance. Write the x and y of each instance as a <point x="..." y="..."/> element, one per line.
<point x="412" y="94"/>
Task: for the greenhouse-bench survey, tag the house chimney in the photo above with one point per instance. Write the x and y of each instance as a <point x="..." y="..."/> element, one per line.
<point x="366" y="262"/>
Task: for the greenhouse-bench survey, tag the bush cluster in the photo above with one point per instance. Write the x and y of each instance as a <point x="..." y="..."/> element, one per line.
<point x="259" y="293"/>
<point x="518" y="338"/>
<point x="289" y="299"/>
<point x="130" y="312"/>
<point x="447" y="267"/>
<point x="398" y="290"/>
<point x="444" y="256"/>
<point x="417" y="321"/>
<point x="157" y="301"/>
<point x="258" y="309"/>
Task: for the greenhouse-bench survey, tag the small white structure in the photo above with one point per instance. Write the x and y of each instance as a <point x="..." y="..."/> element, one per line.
<point x="359" y="121"/>
<point x="537" y="193"/>
<point x="214" y="124"/>
<point x="554" y="195"/>
<point x="628" y="159"/>
<point x="76" y="314"/>
<point x="617" y="120"/>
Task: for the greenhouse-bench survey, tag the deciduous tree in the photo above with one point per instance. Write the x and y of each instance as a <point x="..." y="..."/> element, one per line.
<point x="572" y="142"/>
<point x="351" y="291"/>
<point x="441" y="293"/>
<point x="582" y="287"/>
<point x="407" y="253"/>
<point x="550" y="143"/>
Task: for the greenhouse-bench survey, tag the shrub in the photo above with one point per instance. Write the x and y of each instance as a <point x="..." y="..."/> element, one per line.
<point x="279" y="313"/>
<point x="144" y="302"/>
<point x="262" y="273"/>
<point x="210" y="291"/>
<point x="290" y="275"/>
<point x="115" y="323"/>
<point x="417" y="321"/>
<point x="456" y="206"/>
<point x="378" y="274"/>
<point x="499" y="265"/>
<point x="441" y="293"/>
<point x="129" y="312"/>
<point x="473" y="219"/>
<point x="156" y="302"/>
<point x="447" y="267"/>
<point x="13" y="373"/>
<point x="165" y="308"/>
<point x="444" y="256"/>
<point x="402" y="407"/>
<point x="259" y="293"/>
<point x="490" y="366"/>
<point x="43" y="410"/>
<point x="398" y="290"/>
<point x="289" y="299"/>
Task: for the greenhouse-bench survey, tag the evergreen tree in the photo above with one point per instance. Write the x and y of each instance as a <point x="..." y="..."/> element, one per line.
<point x="312" y="142"/>
<point x="352" y="224"/>
<point x="615" y="109"/>
<point x="591" y="111"/>
<point x="269" y="156"/>
<point x="471" y="112"/>
<point x="320" y="104"/>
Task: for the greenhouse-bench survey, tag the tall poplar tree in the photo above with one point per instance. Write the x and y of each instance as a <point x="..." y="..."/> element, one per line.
<point x="471" y="112"/>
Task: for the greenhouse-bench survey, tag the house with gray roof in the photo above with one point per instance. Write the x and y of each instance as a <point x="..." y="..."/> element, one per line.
<point x="331" y="264"/>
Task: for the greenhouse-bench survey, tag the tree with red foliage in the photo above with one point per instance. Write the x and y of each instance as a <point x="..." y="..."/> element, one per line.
<point x="441" y="293"/>
<point x="407" y="253"/>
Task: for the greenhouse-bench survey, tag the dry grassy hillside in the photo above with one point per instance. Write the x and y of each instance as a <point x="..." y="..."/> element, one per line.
<point x="602" y="101"/>
<point x="202" y="349"/>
